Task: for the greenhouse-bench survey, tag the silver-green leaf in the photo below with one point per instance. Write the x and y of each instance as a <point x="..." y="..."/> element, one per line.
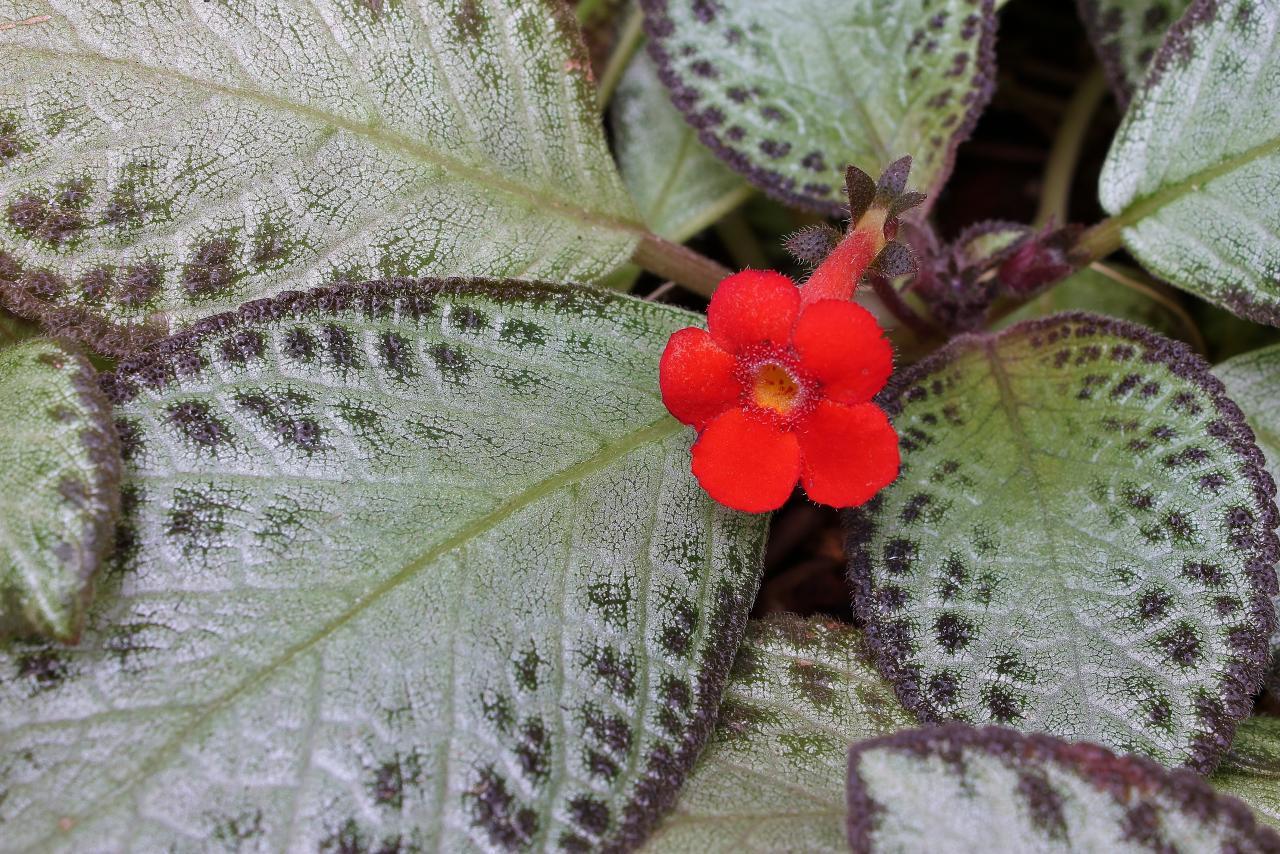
<point x="1193" y="176"/>
<point x="772" y="777"/>
<point x="167" y="160"/>
<point x="61" y="495"/>
<point x="789" y="93"/>
<point x="414" y="567"/>
<point x="1253" y="382"/>
<point x="996" y="791"/>
<point x="1127" y="34"/>
<point x="678" y="185"/>
<point x="1081" y="542"/>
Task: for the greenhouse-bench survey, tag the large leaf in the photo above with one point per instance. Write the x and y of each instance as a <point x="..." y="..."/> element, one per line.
<point x="418" y="566"/>
<point x="167" y="160"/>
<point x="1127" y="34"/>
<point x="772" y="778"/>
<point x="993" y="790"/>
<point x="678" y="184"/>
<point x="1253" y="382"/>
<point x="1080" y="542"/>
<point x="789" y="92"/>
<point x="61" y="495"/>
<point x="1193" y="177"/>
<point x="1251" y="770"/>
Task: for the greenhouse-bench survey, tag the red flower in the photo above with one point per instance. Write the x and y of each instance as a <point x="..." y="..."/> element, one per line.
<point x="780" y="392"/>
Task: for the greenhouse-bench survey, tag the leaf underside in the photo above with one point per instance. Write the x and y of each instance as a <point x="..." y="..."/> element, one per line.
<point x="61" y="494"/>
<point x="772" y="777"/>
<point x="411" y="566"/>
<point x="1251" y="770"/>
<point x="1081" y="541"/>
<point x="167" y="161"/>
<point x="1194" y="171"/>
<point x="1252" y="381"/>
<point x="1126" y="35"/>
<point x="678" y="185"/>
<point x="959" y="789"/>
<point x="788" y="93"/>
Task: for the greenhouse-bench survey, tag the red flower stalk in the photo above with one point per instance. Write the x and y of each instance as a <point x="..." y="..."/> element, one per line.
<point x="780" y="384"/>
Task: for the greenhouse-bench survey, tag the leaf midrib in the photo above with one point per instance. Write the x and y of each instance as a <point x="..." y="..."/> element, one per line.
<point x="655" y="431"/>
<point x="1145" y="206"/>
<point x="379" y="135"/>
<point x="1010" y="404"/>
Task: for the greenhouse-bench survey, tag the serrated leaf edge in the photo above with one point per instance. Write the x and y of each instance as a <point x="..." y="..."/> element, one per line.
<point x="1111" y="774"/>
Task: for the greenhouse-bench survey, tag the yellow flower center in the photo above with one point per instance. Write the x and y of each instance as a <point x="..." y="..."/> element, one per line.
<point x="773" y="387"/>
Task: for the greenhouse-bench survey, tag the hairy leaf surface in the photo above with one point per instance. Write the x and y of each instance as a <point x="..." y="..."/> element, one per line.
<point x="788" y="93"/>
<point x="1253" y="382"/>
<point x="415" y="567"/>
<point x="61" y="494"/>
<point x="1251" y="770"/>
<point x="959" y="789"/>
<point x="1081" y="541"/>
<point x="772" y="778"/>
<point x="167" y="160"/>
<point x="678" y="185"/>
<point x="1193" y="175"/>
<point x="1127" y="34"/>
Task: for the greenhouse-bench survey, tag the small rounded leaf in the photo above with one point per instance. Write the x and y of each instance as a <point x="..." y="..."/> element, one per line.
<point x="789" y="94"/>
<point x="61" y="464"/>
<point x="996" y="791"/>
<point x="1081" y="541"/>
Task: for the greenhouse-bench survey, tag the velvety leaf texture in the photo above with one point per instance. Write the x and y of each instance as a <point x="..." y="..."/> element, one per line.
<point x="788" y="93"/>
<point x="1081" y="541"/>
<point x="772" y="778"/>
<point x="1194" y="171"/>
<point x="1251" y="770"/>
<point x="959" y="789"/>
<point x="1127" y="34"/>
<point x="61" y="494"/>
<point x="410" y="566"/>
<point x="168" y="160"/>
<point x="678" y="185"/>
<point x="1253" y="381"/>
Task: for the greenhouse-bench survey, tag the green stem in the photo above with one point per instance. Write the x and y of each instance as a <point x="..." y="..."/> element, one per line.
<point x="678" y="263"/>
<point x="1060" y="171"/>
<point x="628" y="43"/>
<point x="735" y="232"/>
<point x="587" y="10"/>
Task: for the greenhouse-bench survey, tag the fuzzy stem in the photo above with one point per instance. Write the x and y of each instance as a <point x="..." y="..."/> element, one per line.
<point x="629" y="38"/>
<point x="735" y="232"/>
<point x="1060" y="171"/>
<point x="898" y="307"/>
<point x="678" y="263"/>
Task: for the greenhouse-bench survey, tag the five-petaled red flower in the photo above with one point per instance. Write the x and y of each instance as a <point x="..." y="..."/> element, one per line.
<point x="779" y="389"/>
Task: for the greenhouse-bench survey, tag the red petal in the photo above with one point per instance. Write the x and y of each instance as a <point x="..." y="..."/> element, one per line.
<point x="850" y="453"/>
<point x="696" y="377"/>
<point x="751" y="307"/>
<point x="837" y="277"/>
<point x="746" y="463"/>
<point x="842" y="345"/>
